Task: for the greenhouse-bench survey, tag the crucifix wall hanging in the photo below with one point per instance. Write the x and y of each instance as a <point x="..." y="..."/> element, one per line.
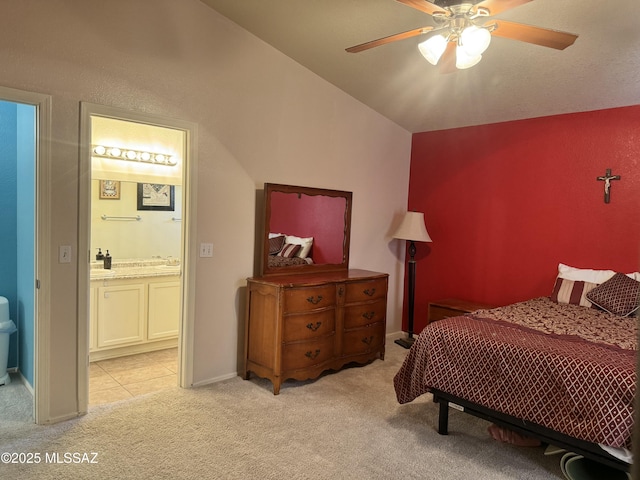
<point x="607" y="184"/>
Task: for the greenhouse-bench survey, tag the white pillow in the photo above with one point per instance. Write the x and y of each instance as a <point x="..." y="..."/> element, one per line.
<point x="304" y="242"/>
<point x="584" y="274"/>
<point x="274" y="235"/>
<point x="589" y="275"/>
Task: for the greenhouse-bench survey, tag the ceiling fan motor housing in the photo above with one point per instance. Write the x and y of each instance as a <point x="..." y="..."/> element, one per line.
<point x="451" y="3"/>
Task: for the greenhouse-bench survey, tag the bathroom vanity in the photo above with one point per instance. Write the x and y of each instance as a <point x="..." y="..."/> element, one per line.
<point x="135" y="308"/>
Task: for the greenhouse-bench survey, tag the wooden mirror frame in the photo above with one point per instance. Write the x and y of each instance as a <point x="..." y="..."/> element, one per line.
<point x="269" y="189"/>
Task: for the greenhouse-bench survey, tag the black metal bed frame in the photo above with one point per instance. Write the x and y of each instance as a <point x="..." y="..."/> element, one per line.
<point x="587" y="449"/>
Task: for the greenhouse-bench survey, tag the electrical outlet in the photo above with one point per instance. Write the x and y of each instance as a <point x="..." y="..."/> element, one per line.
<point x="64" y="254"/>
<point x="206" y="249"/>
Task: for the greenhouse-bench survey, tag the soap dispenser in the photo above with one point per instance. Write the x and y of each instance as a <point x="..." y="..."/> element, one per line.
<point x="99" y="255"/>
<point x="107" y="261"/>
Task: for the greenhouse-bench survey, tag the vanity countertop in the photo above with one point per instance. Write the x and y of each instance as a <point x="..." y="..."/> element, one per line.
<point x="134" y="269"/>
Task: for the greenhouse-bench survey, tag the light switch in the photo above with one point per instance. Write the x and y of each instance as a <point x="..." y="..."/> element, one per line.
<point x="64" y="254"/>
<point x="206" y="249"/>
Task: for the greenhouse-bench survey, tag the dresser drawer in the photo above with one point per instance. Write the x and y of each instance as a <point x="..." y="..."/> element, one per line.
<point x="309" y="298"/>
<point x="366" y="290"/>
<point x="364" y="314"/>
<point x="307" y="354"/>
<point x="362" y="340"/>
<point x="310" y="325"/>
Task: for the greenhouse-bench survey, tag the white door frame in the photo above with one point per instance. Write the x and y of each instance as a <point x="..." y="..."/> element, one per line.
<point x="185" y="345"/>
<point x="42" y="326"/>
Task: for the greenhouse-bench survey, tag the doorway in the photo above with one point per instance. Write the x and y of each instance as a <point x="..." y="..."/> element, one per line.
<point x="28" y="130"/>
<point x="137" y="190"/>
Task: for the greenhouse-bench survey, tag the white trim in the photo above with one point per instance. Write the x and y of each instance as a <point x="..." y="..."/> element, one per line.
<point x="26" y="384"/>
<point x="43" y="234"/>
<point x="221" y="378"/>
<point x="185" y="347"/>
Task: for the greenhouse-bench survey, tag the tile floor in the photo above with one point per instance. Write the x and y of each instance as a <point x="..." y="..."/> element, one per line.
<point x="125" y="377"/>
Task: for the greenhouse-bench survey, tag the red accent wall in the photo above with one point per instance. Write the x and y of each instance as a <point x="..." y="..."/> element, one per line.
<point x="320" y="217"/>
<point x="505" y="203"/>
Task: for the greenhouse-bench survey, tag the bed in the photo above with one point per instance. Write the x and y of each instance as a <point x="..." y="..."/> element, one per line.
<point x="289" y="250"/>
<point x="558" y="368"/>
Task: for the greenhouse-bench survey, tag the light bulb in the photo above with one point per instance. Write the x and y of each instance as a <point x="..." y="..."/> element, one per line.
<point x="131" y="155"/>
<point x="115" y="152"/>
<point x="99" y="150"/>
<point x="465" y="61"/>
<point x="433" y="48"/>
<point x="475" y="40"/>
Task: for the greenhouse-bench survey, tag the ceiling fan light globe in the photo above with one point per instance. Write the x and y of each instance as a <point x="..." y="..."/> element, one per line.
<point x="463" y="60"/>
<point x="433" y="48"/>
<point x="475" y="40"/>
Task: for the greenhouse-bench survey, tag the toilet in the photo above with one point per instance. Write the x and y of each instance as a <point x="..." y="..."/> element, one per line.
<point x="7" y="327"/>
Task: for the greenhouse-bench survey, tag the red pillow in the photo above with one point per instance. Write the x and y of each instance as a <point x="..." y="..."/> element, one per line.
<point x="618" y="295"/>
<point x="289" y="250"/>
<point x="572" y="292"/>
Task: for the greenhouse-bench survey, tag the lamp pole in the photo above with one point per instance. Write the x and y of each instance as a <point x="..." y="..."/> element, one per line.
<point x="407" y="342"/>
<point x="411" y="229"/>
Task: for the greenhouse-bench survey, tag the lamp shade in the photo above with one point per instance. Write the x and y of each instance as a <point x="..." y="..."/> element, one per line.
<point x="413" y="228"/>
<point x="433" y="48"/>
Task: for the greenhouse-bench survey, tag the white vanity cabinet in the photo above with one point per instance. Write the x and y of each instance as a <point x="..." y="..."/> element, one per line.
<point x="121" y="314"/>
<point x="133" y="315"/>
<point x="164" y="310"/>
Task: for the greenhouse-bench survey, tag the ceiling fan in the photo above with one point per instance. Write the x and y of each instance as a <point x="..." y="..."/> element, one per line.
<point x="464" y="29"/>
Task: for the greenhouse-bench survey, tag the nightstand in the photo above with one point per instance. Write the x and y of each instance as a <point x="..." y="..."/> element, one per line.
<point x="452" y="307"/>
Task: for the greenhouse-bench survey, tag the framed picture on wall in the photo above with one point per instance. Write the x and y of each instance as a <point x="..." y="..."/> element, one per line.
<point x="109" y="190"/>
<point x="156" y="196"/>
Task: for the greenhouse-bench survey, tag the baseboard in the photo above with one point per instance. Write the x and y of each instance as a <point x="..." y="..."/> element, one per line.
<point x="27" y="385"/>
<point x="63" y="418"/>
<point x="221" y="378"/>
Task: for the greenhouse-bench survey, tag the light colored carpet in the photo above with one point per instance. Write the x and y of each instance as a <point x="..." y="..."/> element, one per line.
<point x="345" y="425"/>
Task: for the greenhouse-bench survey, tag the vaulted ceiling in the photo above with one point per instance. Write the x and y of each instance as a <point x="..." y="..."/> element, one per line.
<point x="514" y="80"/>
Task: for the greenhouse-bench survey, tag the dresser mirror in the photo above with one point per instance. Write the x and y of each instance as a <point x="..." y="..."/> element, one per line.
<point x="305" y="230"/>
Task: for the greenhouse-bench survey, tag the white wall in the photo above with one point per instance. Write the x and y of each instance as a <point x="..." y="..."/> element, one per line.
<point x="261" y="118"/>
<point x="155" y="234"/>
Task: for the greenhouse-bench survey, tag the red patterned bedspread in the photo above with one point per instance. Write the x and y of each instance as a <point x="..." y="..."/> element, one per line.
<point x="565" y="367"/>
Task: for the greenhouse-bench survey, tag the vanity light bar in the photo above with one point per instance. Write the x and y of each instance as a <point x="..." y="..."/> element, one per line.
<point x="116" y="153"/>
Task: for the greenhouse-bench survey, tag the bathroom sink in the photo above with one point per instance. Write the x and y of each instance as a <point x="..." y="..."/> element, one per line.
<point x="174" y="268"/>
<point x="102" y="273"/>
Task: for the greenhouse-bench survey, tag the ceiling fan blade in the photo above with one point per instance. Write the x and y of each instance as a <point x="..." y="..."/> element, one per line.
<point x="536" y="35"/>
<point x="424" y="6"/>
<point x="496" y="6"/>
<point x="389" y="39"/>
<point x="447" y="63"/>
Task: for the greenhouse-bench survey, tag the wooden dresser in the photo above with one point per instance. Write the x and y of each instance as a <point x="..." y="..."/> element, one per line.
<point x="298" y="326"/>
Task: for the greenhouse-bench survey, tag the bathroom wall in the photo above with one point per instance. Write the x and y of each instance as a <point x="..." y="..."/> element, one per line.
<point x="155" y="234"/>
<point x="17" y="217"/>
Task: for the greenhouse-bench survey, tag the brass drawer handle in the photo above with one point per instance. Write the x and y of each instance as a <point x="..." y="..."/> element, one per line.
<point x="312" y="355"/>
<point x="368" y="340"/>
<point x="369" y="315"/>
<point x="314" y="327"/>
<point x="315" y="300"/>
<point x="370" y="292"/>
<point x="340" y="291"/>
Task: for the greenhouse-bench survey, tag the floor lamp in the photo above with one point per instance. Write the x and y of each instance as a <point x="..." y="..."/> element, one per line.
<point x="412" y="229"/>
